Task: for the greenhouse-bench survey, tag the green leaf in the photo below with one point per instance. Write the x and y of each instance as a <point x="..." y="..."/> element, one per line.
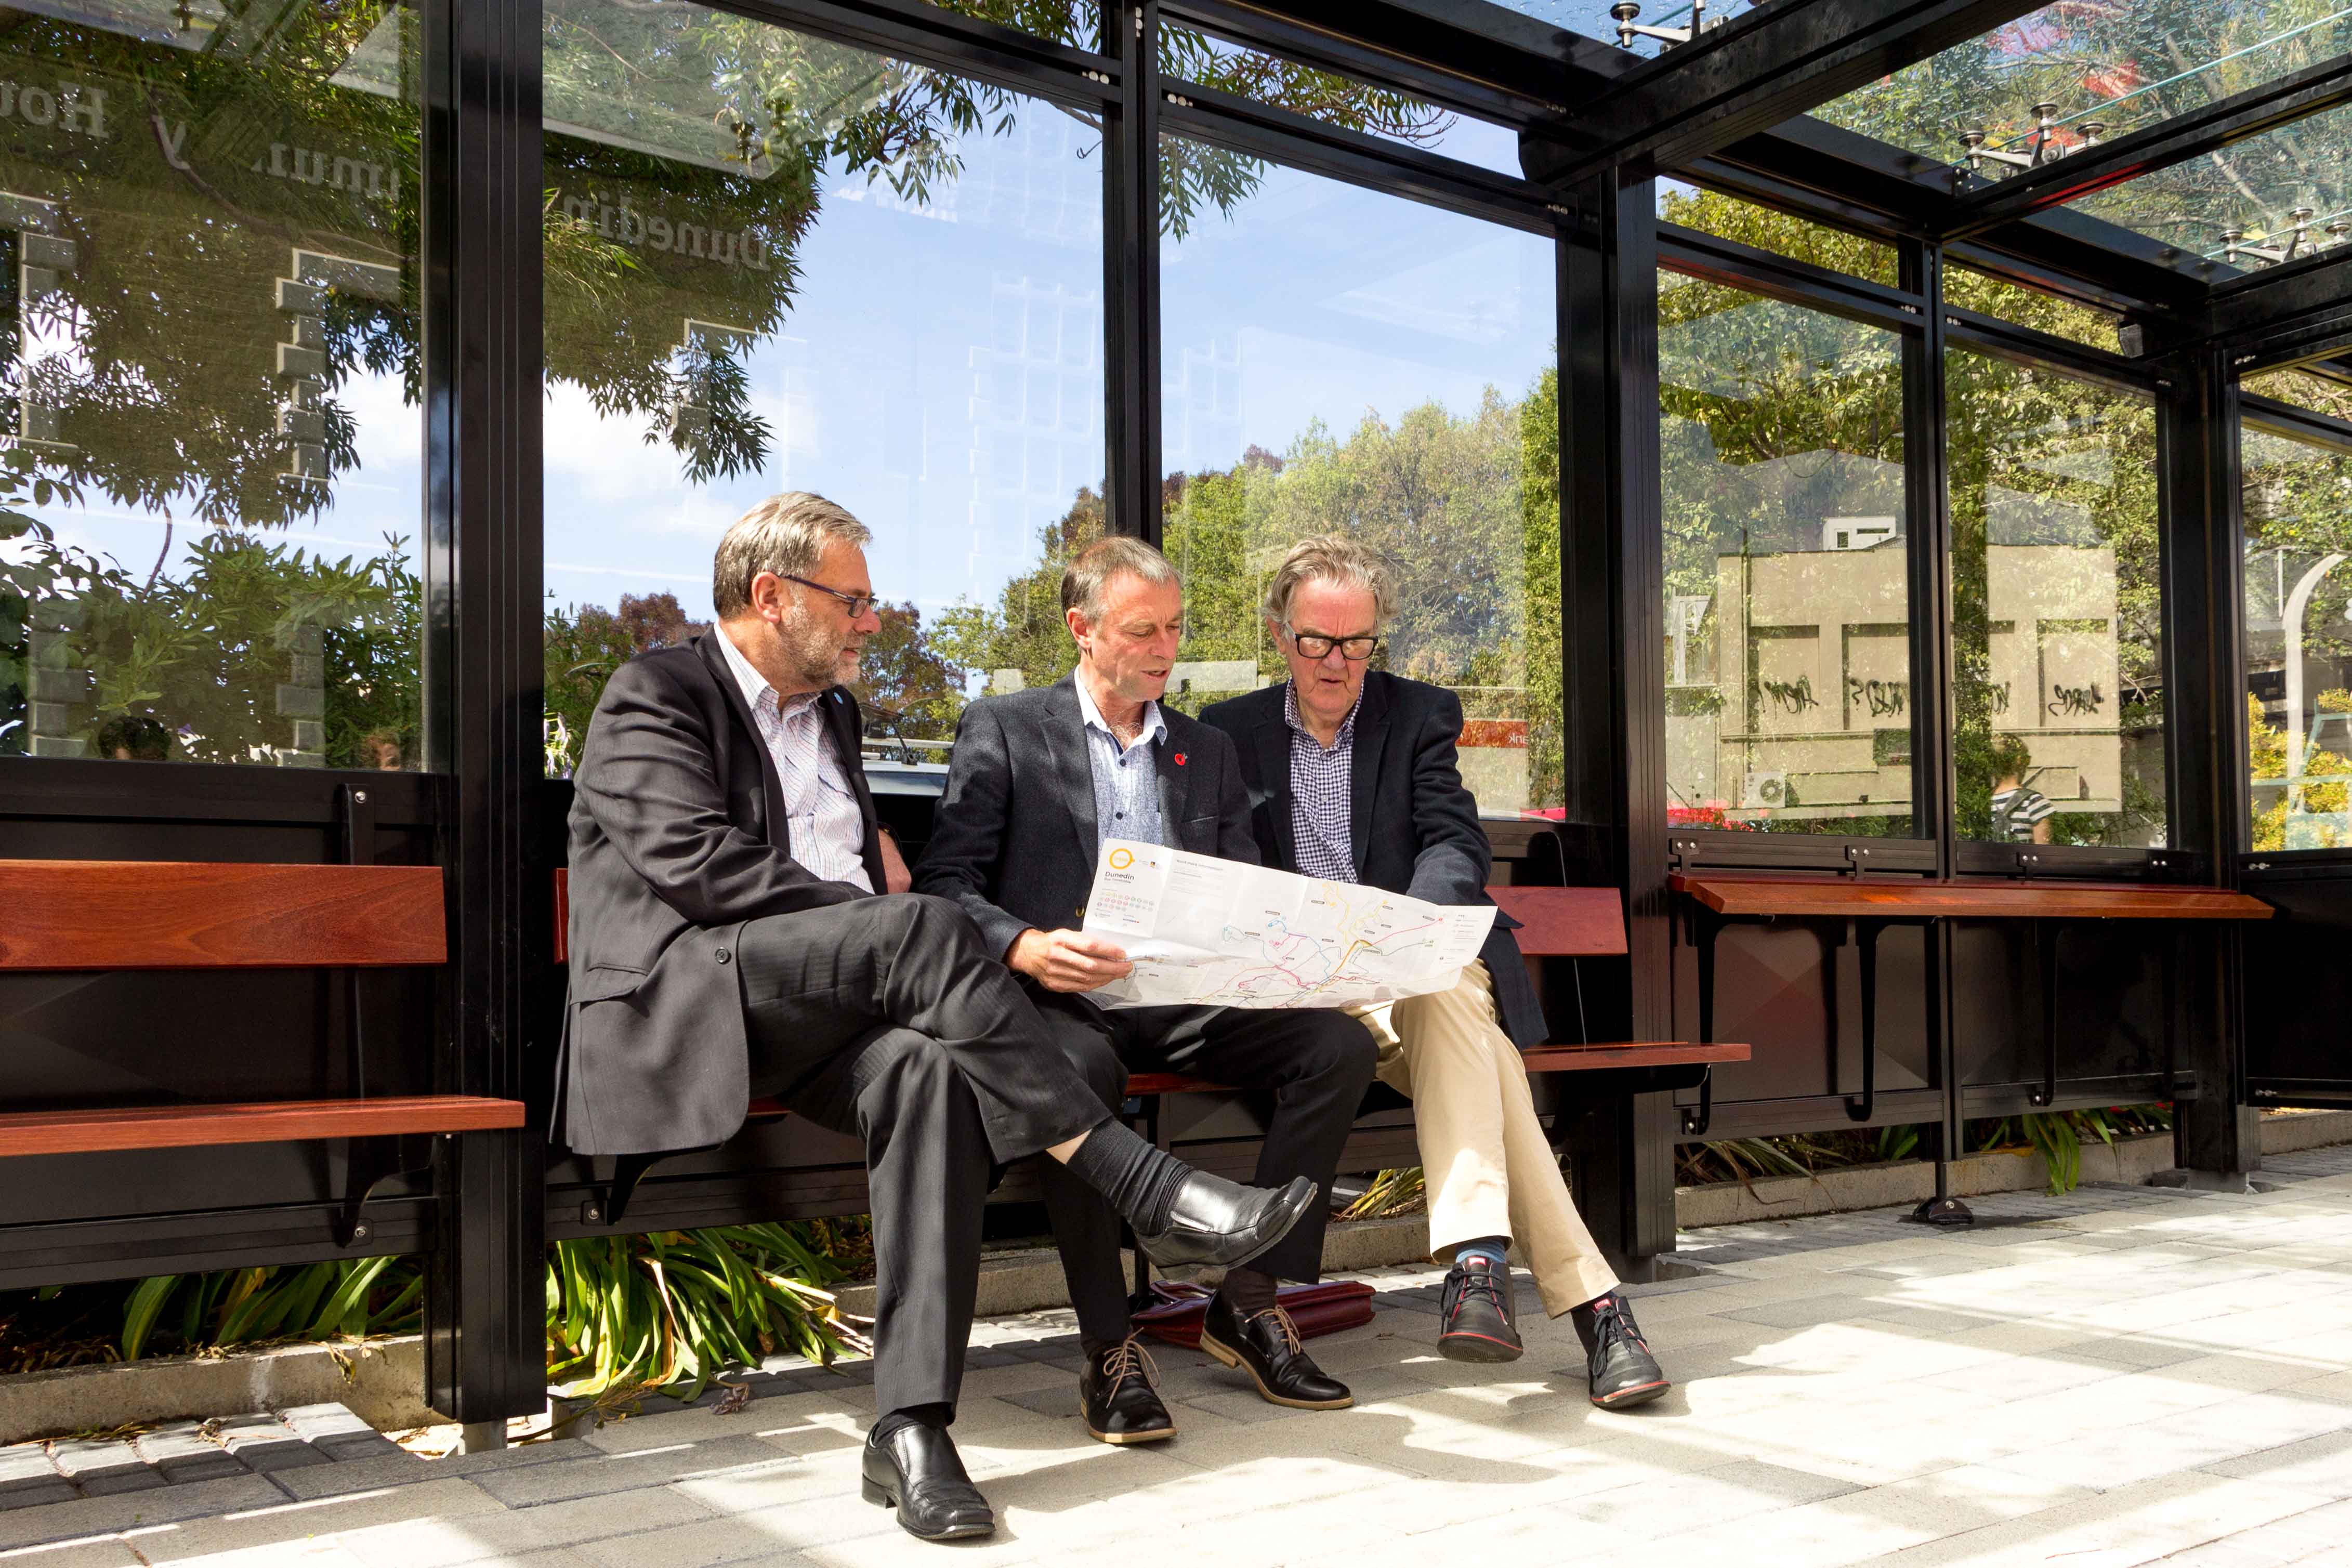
<point x="147" y="1299"/>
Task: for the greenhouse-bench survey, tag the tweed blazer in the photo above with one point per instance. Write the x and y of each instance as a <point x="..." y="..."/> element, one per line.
<point x="678" y="837"/>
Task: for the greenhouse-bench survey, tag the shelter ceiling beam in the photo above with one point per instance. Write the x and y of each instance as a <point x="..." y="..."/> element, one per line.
<point x="1747" y="75"/>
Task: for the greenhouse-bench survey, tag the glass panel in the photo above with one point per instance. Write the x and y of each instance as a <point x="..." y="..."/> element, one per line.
<point x="2298" y="628"/>
<point x="886" y="287"/>
<point x="2320" y="394"/>
<point x="2103" y="70"/>
<point x="1078" y="23"/>
<point x="1728" y="217"/>
<point x="2022" y="307"/>
<point x="208" y="530"/>
<point x="1337" y="360"/>
<point x="1347" y="102"/>
<point x="2272" y="198"/>
<point x="1787" y="585"/>
<point x="2057" y="608"/>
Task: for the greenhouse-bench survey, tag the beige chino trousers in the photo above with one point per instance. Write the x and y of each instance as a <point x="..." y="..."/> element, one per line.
<point x="1489" y="1169"/>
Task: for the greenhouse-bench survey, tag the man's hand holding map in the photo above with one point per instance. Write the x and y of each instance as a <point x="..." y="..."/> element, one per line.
<point x="1201" y="930"/>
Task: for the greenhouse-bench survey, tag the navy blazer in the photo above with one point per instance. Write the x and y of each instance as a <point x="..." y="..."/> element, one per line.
<point x="1013" y="842"/>
<point x="678" y="836"/>
<point x="1413" y="825"/>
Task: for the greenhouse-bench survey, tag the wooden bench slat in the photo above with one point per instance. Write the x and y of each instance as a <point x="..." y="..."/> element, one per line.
<point x="1638" y="1053"/>
<point x="1754" y="896"/>
<point x="184" y="915"/>
<point x="1565" y="921"/>
<point x="272" y="1122"/>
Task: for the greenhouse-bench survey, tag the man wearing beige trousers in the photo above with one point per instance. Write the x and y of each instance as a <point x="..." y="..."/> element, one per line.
<point x="1352" y="778"/>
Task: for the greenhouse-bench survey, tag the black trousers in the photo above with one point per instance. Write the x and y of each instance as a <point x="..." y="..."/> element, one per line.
<point x="1314" y="1063"/>
<point x="884" y="1019"/>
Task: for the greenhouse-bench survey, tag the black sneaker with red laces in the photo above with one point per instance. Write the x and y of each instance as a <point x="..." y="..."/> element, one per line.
<point x="1474" y="1317"/>
<point x="1623" y="1371"/>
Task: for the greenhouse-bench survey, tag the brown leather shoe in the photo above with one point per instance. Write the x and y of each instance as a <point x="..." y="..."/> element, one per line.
<point x="1267" y="1346"/>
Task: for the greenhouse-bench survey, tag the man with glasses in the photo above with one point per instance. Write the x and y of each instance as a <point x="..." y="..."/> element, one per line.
<point x="740" y="926"/>
<point x="1040" y="778"/>
<point x="1353" y="780"/>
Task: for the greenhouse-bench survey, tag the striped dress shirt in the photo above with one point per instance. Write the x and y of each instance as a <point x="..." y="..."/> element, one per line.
<point x="828" y="830"/>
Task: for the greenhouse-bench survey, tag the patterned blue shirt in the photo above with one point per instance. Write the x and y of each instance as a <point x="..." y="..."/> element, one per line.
<point x="1322" y="780"/>
<point x="1127" y="783"/>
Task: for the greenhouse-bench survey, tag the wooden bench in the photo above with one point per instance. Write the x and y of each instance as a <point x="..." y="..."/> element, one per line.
<point x="82" y="915"/>
<point x="1869" y="905"/>
<point x="1554" y="923"/>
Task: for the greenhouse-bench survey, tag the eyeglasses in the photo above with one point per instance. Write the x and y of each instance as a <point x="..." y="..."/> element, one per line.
<point x="1354" y="650"/>
<point x="859" y="603"/>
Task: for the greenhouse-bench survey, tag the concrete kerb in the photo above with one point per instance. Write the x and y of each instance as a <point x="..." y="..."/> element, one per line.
<point x="381" y="1381"/>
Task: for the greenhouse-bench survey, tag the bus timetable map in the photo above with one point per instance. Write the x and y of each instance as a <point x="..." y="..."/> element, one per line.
<point x="1222" y="934"/>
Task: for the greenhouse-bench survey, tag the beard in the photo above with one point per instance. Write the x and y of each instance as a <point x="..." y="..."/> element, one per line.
<point x="812" y="651"/>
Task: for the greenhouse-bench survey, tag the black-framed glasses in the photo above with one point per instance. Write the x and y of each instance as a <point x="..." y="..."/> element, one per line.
<point x="859" y="603"/>
<point x="1354" y="650"/>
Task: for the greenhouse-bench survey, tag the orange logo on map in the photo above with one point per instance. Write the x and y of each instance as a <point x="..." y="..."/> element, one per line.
<point x="1120" y="860"/>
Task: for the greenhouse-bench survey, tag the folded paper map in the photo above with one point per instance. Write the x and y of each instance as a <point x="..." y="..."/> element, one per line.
<point x="1222" y="934"/>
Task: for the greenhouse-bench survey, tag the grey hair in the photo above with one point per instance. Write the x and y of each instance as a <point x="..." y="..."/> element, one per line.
<point x="784" y="534"/>
<point x="1332" y="558"/>
<point x="1091" y="570"/>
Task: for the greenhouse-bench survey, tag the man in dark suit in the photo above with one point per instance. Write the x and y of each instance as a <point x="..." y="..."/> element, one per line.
<point x="1352" y="778"/>
<point x="739" y="926"/>
<point x="1038" y="780"/>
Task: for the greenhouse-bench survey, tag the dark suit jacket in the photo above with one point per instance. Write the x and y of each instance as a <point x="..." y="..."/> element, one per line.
<point x="1415" y="827"/>
<point x="678" y="837"/>
<point x="1014" y="839"/>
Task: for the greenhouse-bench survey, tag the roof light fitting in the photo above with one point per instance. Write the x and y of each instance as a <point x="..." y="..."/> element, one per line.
<point x="2047" y="148"/>
<point x="1628" y="29"/>
<point x="2236" y="249"/>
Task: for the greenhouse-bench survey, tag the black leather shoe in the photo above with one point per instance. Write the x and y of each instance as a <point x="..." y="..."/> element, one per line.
<point x="1217" y="1221"/>
<point x="1475" y="1320"/>
<point x="915" y="1469"/>
<point x="1266" y="1347"/>
<point x="1622" y="1370"/>
<point x="1118" y="1396"/>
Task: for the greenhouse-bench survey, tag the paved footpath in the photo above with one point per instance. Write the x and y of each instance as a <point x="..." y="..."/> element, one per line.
<point x="2120" y="1375"/>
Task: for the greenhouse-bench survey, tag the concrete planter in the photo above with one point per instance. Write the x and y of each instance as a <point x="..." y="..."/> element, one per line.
<point x="381" y="1381"/>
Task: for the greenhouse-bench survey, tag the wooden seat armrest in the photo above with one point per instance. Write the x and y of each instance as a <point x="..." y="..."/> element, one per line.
<point x="269" y="1122"/>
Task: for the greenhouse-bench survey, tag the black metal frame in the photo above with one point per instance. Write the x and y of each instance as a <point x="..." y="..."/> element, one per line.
<point x="483" y="1221"/>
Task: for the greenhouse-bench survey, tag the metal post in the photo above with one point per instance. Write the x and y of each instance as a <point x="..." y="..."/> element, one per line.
<point x="481" y="193"/>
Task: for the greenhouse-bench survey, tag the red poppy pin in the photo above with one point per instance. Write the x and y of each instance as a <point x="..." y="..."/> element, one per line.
<point x="1179" y="760"/>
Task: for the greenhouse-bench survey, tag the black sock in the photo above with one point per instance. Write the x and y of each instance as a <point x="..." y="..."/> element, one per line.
<point x="1586" y="1321"/>
<point x="1248" y="1292"/>
<point x="936" y="1417"/>
<point x="1139" y="1180"/>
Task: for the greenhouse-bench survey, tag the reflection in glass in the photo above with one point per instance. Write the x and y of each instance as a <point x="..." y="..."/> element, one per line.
<point x="2071" y="75"/>
<point x="775" y="263"/>
<point x="2329" y="396"/>
<point x="1189" y="55"/>
<point x="1787" y="592"/>
<point x="2272" y="198"/>
<point x="1783" y="234"/>
<point x="2031" y="307"/>
<point x="1338" y="360"/>
<point x="2057" y="608"/>
<point x="208" y="530"/>
<point x="2298" y="501"/>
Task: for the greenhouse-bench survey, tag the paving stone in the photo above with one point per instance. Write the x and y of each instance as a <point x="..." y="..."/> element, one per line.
<point x="585" y="1477"/>
<point x="100" y="1468"/>
<point x="30" y="1478"/>
<point x="110" y="1515"/>
<point x="183" y="1452"/>
<point x="335" y="1432"/>
<point x="264" y="1444"/>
